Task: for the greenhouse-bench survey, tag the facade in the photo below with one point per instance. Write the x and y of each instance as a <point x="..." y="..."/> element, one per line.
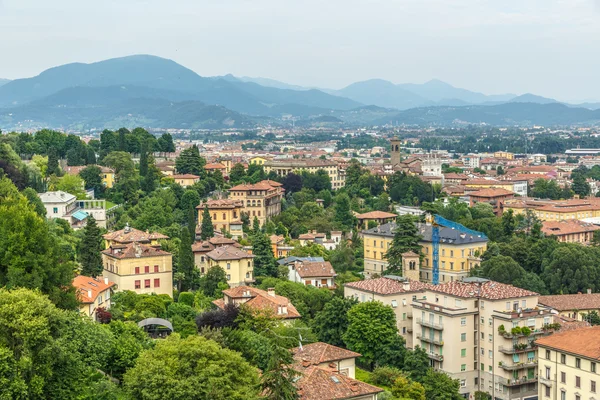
<point x="279" y="247"/>
<point x="395" y="150"/>
<point x="315" y="273"/>
<point x="226" y="215"/>
<point x="573" y="231"/>
<point x="92" y="293"/>
<point x="65" y="206"/>
<point x="237" y="264"/>
<point x="200" y="249"/>
<point x="378" y="217"/>
<point x="471" y="160"/>
<point x="568" y="365"/>
<point x="185" y="180"/>
<point x="260" y="300"/>
<point x="139" y="267"/>
<point x="493" y="196"/>
<point x="261" y="200"/>
<point x="574" y="306"/>
<point x="555" y="210"/>
<point x="458" y="252"/>
<point x="296" y="166"/>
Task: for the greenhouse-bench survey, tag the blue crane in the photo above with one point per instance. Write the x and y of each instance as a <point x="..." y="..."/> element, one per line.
<point x="436" y="222"/>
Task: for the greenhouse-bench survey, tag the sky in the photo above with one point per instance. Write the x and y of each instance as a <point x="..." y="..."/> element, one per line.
<point x="547" y="47"/>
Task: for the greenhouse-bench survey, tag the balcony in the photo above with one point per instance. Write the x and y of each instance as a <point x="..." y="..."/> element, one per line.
<point x="517" y="382"/>
<point x="516" y="349"/>
<point x="436" y="357"/>
<point x="409" y="329"/>
<point x="431" y="325"/>
<point x="427" y="339"/>
<point x="519" y="365"/>
<point x="545" y="381"/>
<point x="409" y="314"/>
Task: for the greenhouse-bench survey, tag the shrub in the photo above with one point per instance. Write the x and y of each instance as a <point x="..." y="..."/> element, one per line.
<point x="186" y="298"/>
<point x="516" y="330"/>
<point x="385" y="376"/>
<point x="526" y="331"/>
<point x="501" y="329"/>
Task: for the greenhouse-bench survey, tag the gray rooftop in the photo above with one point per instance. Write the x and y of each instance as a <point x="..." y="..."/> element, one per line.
<point x="56" y="197"/>
<point x="447" y="235"/>
<point x="291" y="259"/>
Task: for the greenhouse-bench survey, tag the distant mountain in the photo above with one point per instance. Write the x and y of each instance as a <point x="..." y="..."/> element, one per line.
<point x="439" y="91"/>
<point x="382" y="93"/>
<point x="272" y="83"/>
<point x="532" y="98"/>
<point x="4" y="81"/>
<point x="507" y="114"/>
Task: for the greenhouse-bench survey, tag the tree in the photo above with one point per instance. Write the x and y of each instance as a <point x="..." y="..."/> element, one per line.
<point x="508" y="223"/>
<point x="406" y="238"/>
<point x="90" y="249"/>
<point x="331" y="323"/>
<point x="72" y="184"/>
<point x="292" y="183"/>
<point x="237" y="173"/>
<point x="580" y="185"/>
<point x="53" y="168"/>
<point x="191" y="368"/>
<point x="190" y="162"/>
<point x="372" y="332"/>
<point x="210" y="283"/>
<point x="439" y="386"/>
<point x="165" y="143"/>
<point x="206" y="228"/>
<point x="416" y="364"/>
<point x="403" y="388"/>
<point x="504" y="269"/>
<point x="264" y="261"/>
<point x="91" y="175"/>
<point x="186" y="261"/>
<point x="343" y="215"/>
<point x="127" y="180"/>
<point x="35" y="201"/>
<point x="278" y="381"/>
<point x="122" y="141"/>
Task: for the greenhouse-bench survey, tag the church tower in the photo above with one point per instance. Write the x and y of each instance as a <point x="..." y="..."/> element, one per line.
<point x="410" y="266"/>
<point x="395" y="151"/>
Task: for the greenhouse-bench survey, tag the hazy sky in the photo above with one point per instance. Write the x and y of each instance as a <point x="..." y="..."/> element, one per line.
<point x="548" y="47"/>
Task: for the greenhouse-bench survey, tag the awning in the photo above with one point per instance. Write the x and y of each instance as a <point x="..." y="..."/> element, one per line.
<point x="80" y="215"/>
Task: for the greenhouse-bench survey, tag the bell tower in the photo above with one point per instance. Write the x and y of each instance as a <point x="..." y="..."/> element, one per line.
<point x="395" y="151"/>
<point x="410" y="265"/>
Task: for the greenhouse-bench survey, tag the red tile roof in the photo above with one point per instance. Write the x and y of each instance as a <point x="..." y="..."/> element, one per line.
<point x="134" y="250"/>
<point x="566" y="227"/>
<point x="228" y="252"/>
<point x="128" y="235"/>
<point x="584" y="342"/>
<point x="376" y="215"/>
<point x="489" y="290"/>
<point x="85" y="285"/>
<point x="318" y="383"/>
<point x="312" y="269"/>
<point x="491" y="192"/>
<point x="385" y="286"/>
<point x="185" y="176"/>
<point x="565" y="302"/>
<point x="319" y="352"/>
<point x="262" y="185"/>
<point x="261" y="299"/>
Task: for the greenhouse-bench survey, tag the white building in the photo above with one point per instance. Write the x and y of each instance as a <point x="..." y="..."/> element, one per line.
<point x="316" y="273"/>
<point x="65" y="206"/>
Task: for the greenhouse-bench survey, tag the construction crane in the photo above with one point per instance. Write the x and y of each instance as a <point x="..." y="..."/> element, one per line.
<point x="437" y="222"/>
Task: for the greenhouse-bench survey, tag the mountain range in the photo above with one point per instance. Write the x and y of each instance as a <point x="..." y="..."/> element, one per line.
<point x="156" y="92"/>
<point x="4" y="81"/>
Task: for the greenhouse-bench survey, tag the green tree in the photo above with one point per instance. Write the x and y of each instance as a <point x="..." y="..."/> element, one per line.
<point x="53" y="168"/>
<point x="580" y="185"/>
<point x="403" y="388"/>
<point x="211" y="282"/>
<point x="279" y="378"/>
<point x="343" y="215"/>
<point x="372" y="332"/>
<point x="264" y="261"/>
<point x="416" y="364"/>
<point x="186" y="261"/>
<point x="191" y="368"/>
<point x="35" y="201"/>
<point x="206" y="228"/>
<point x="122" y="140"/>
<point x="237" y="173"/>
<point x="508" y="223"/>
<point x="439" y="386"/>
<point x="127" y="181"/>
<point x="504" y="269"/>
<point x="165" y="143"/>
<point x="92" y="178"/>
<point x="190" y="162"/>
<point x="406" y="238"/>
<point x="331" y="323"/>
<point x="72" y="184"/>
<point x="90" y="249"/>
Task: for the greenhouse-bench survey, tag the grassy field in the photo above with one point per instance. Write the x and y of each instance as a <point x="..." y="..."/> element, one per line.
<point x="109" y="204"/>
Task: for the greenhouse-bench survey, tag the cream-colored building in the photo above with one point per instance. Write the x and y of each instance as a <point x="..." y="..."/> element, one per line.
<point x="237" y="264"/>
<point x="337" y="175"/>
<point x="458" y="252"/>
<point x="261" y="200"/>
<point x="555" y="210"/>
<point x="575" y="306"/>
<point x="185" y="180"/>
<point x="92" y="294"/>
<point x="138" y="267"/>
<point x="256" y="299"/>
<point x="226" y="215"/>
<point x="200" y="249"/>
<point x="568" y="365"/>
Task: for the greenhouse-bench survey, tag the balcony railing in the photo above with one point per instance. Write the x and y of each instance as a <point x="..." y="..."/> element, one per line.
<point x="516" y="349"/>
<point x="519" y="365"/>
<point x="430" y="324"/>
<point x="427" y="339"/>
<point x="409" y="314"/>
<point x="516" y="382"/>
<point x="545" y="381"/>
<point x="436" y="357"/>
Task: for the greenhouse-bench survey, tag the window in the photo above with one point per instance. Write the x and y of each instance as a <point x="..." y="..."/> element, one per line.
<point x="524" y="305"/>
<point x="578" y="363"/>
<point x="224" y="217"/>
<point x="157" y="282"/>
<point x="137" y="270"/>
<point x="593" y="386"/>
<point x="490" y="369"/>
<point x="482" y="304"/>
<point x="463" y="367"/>
<point x="228" y="265"/>
<point x="593" y="367"/>
<point x="146" y="283"/>
<point x="451" y="253"/>
<point x="508" y="305"/>
<point x="395" y="304"/>
<point x="563" y="395"/>
<point x="547" y="354"/>
<point x="563" y="377"/>
<point x="490" y="354"/>
<point x="547" y="372"/>
<point x="463" y="383"/>
<point x="146" y="269"/>
<point x="563" y="359"/>
<point x="138" y="284"/>
<point x="463" y="321"/>
<point x="463" y="337"/>
<point x="578" y="381"/>
<point x="490" y="337"/>
<point x="55" y="210"/>
<point x="490" y="322"/>
<point x="228" y="277"/>
<point x="547" y="391"/>
<point x="463" y="352"/>
<point x="156" y="268"/>
<point x="451" y="265"/>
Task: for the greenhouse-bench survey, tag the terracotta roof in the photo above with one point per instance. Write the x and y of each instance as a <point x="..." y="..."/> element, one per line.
<point x="566" y="227"/>
<point x="376" y="215"/>
<point x="385" y="286"/>
<point x="185" y="176"/>
<point x="317" y="383"/>
<point x="565" y="302"/>
<point x="85" y="285"/>
<point x="220" y="204"/>
<point x="134" y="250"/>
<point x="308" y="269"/>
<point x="306" y="236"/>
<point x="453" y="175"/>
<point x="410" y="254"/>
<point x="584" y="342"/>
<point x="569" y="324"/>
<point x="276" y="239"/>
<point x="490" y="290"/>
<point x="261" y="299"/>
<point x="491" y="192"/>
<point x="228" y="252"/>
<point x="214" y="166"/>
<point x="129" y="235"/>
<point x="262" y="185"/>
<point x="212" y="243"/>
<point x="319" y="352"/>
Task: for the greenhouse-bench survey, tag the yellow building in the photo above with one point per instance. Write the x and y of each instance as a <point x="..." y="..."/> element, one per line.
<point x="185" y="180"/>
<point x="504" y="154"/>
<point x="226" y="215"/>
<point x="130" y="235"/>
<point x="140" y="268"/>
<point x="296" y="166"/>
<point x="458" y="253"/>
<point x="261" y="200"/>
<point x="92" y="293"/>
<point x="237" y="264"/>
<point x="201" y="248"/>
<point x="259" y="160"/>
<point x="279" y="247"/>
<point x="555" y="210"/>
<point x="568" y="365"/>
<point x="476" y="184"/>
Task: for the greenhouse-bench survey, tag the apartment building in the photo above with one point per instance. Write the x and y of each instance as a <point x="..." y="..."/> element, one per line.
<point x="336" y="174"/>
<point x="568" y="365"/>
<point x="200" y="249"/>
<point x="570" y="231"/>
<point x="482" y="333"/>
<point x="492" y="196"/>
<point x="458" y="252"/>
<point x="237" y="264"/>
<point x="261" y="200"/>
<point x="129" y="235"/>
<point x="555" y="210"/>
<point x="226" y="215"/>
<point x="574" y="306"/>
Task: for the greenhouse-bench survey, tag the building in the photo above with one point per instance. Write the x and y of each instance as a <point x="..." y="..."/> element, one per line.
<point x="212" y="167"/>
<point x="327" y="372"/>
<point x="226" y="215"/>
<point x="129" y="235"/>
<point x="568" y="365"/>
<point x="471" y="160"/>
<point x="574" y="306"/>
<point x="493" y="196"/>
<point x="106" y="174"/>
<point x="408" y="210"/>
<point x="260" y="300"/>
<point x="393" y="291"/>
<point x="237" y="264"/>
<point x="139" y="267"/>
<point x="336" y="174"/>
<point x="92" y="293"/>
<point x="395" y="151"/>
<point x="200" y="249"/>
<point x="65" y="206"/>
<point x="315" y="273"/>
<point x="279" y="247"/>
<point x="504" y="154"/>
<point x="458" y="252"/>
<point x="555" y="210"/>
<point x="261" y="200"/>
<point x="185" y="180"/>
<point x="377" y="217"/>
<point x="570" y="231"/>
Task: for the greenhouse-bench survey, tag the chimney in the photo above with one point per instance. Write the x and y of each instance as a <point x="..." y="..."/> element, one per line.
<point x="589" y="291"/>
<point x="406" y="285"/>
<point x="89" y="293"/>
<point x="271" y="291"/>
<point x="105" y="280"/>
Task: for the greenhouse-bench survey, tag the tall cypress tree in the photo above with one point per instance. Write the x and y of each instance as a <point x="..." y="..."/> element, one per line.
<point x="264" y="261"/>
<point x="90" y="248"/>
<point x="52" y="162"/>
<point x="406" y="238"/>
<point x="206" y="229"/>
<point x="186" y="261"/>
<point x="144" y="159"/>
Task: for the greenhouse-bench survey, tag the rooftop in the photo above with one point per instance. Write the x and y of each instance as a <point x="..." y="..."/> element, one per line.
<point x="491" y="192"/>
<point x="376" y="215"/>
<point x="56" y="197"/>
<point x="128" y="235"/>
<point x="385" y="286"/>
<point x="86" y="286"/>
<point x="447" y="235"/>
<point x="228" y="252"/>
<point x="220" y="204"/>
<point x="319" y="352"/>
<point x="318" y="383"/>
<point x="311" y="269"/>
<point x="584" y="342"/>
<point x="134" y="250"/>
<point x="564" y="302"/>
<point x="567" y="227"/>
<point x="185" y="176"/>
<point x="490" y="290"/>
<point x="261" y="299"/>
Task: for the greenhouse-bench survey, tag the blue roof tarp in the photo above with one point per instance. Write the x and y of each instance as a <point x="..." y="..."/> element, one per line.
<point x="80" y="215"/>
